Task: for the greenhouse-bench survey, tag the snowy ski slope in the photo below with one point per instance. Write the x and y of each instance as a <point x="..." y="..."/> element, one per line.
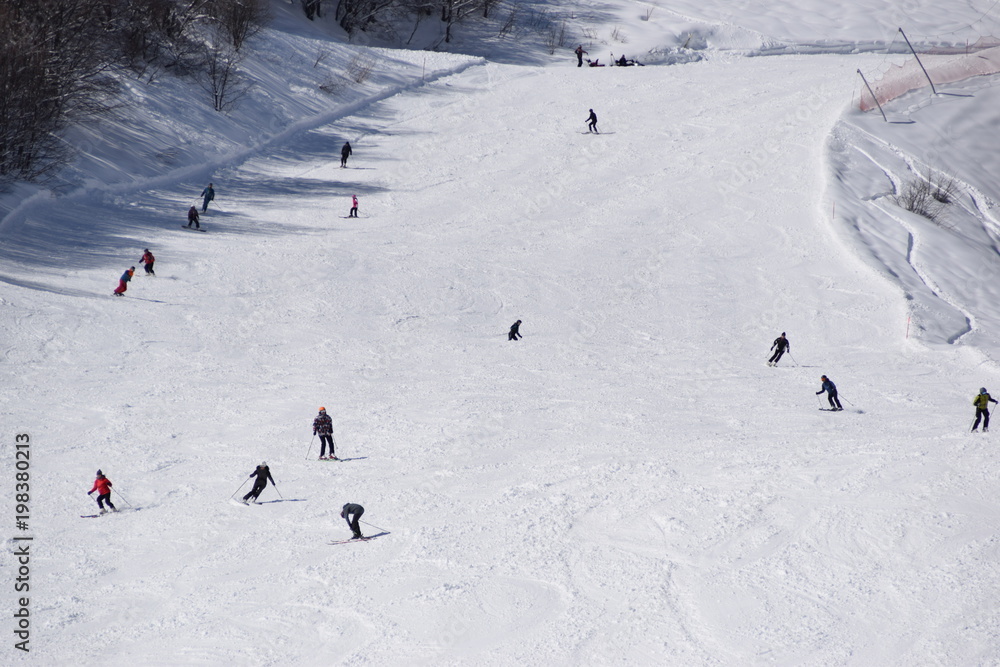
<point x="628" y="484"/>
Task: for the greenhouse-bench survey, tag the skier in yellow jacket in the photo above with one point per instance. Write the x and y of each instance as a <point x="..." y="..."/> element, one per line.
<point x="982" y="403"/>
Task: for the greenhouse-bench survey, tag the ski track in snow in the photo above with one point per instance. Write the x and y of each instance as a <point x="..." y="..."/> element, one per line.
<point x="628" y="484"/>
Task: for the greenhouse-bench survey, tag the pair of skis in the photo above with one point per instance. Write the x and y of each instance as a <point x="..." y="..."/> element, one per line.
<point x="359" y="539"/>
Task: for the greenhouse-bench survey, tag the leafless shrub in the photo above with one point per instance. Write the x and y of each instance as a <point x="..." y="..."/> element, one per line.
<point x="510" y="22"/>
<point x="360" y="67"/>
<point x="648" y="14"/>
<point x="555" y="38"/>
<point x="332" y="86"/>
<point x="927" y="195"/>
<point x="322" y="53"/>
<point x="618" y="36"/>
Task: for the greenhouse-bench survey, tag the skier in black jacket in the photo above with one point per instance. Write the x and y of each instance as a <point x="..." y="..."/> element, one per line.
<point x="352" y="514"/>
<point x="323" y="427"/>
<point x="782" y="345"/>
<point x="262" y="473"/>
<point x="345" y="153"/>
<point x="514" y="334"/>
<point x="592" y="122"/>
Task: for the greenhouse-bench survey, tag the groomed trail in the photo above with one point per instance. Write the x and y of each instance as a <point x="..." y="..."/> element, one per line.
<point x="628" y="484"/>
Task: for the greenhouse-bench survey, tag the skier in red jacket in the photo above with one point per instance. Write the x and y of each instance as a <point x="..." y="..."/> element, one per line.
<point x="148" y="259"/>
<point x="103" y="487"/>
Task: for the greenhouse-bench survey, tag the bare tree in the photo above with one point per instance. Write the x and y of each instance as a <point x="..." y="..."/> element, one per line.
<point x="358" y="14"/>
<point x="53" y="70"/>
<point x="312" y="8"/>
<point x="150" y="34"/>
<point x="240" y="20"/>
<point x="222" y="78"/>
<point x="453" y="11"/>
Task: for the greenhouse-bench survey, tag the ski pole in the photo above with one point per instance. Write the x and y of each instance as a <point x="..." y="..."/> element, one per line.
<point x="241" y="486"/>
<point x="310" y="445"/>
<point x="122" y="497"/>
<point x="373" y="526"/>
<point x="793" y="359"/>
<point x="278" y="492"/>
<point x="334" y="441"/>
<point x="842" y="396"/>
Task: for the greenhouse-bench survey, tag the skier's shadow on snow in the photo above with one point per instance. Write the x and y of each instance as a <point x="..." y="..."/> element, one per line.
<point x="356" y="458"/>
<point x="281" y="500"/>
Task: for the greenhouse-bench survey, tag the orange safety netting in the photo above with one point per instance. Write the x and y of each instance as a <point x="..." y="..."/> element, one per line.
<point x="981" y="59"/>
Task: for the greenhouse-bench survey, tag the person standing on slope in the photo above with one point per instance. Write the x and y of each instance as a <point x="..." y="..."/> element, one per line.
<point x="147" y="259"/>
<point x="831" y="393"/>
<point x="123" y="282"/>
<point x="103" y="487"/>
<point x="352" y="514"/>
<point x="592" y="122"/>
<point x="354" y="207"/>
<point x="514" y="334"/>
<point x="345" y="153"/>
<point x="579" y="55"/>
<point x="193" y="218"/>
<point x="782" y="345"/>
<point x="209" y="194"/>
<point x="262" y="473"/>
<point x="982" y="403"/>
<point x="323" y="427"/>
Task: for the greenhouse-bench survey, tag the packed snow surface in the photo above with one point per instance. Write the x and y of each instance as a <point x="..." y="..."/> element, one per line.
<point x="630" y="483"/>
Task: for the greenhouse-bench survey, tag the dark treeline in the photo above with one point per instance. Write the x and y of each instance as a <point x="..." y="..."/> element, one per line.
<point x="61" y="60"/>
<point x="58" y="59"/>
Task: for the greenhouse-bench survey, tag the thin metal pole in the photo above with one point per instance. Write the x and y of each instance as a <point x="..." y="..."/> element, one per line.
<point x="373" y="526"/>
<point x="918" y="61"/>
<point x="872" y="92"/>
<point x="121" y="496"/>
<point x="241" y="486"/>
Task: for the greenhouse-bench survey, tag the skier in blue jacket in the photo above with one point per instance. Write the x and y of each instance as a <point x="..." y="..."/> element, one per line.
<point x="831" y="393"/>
